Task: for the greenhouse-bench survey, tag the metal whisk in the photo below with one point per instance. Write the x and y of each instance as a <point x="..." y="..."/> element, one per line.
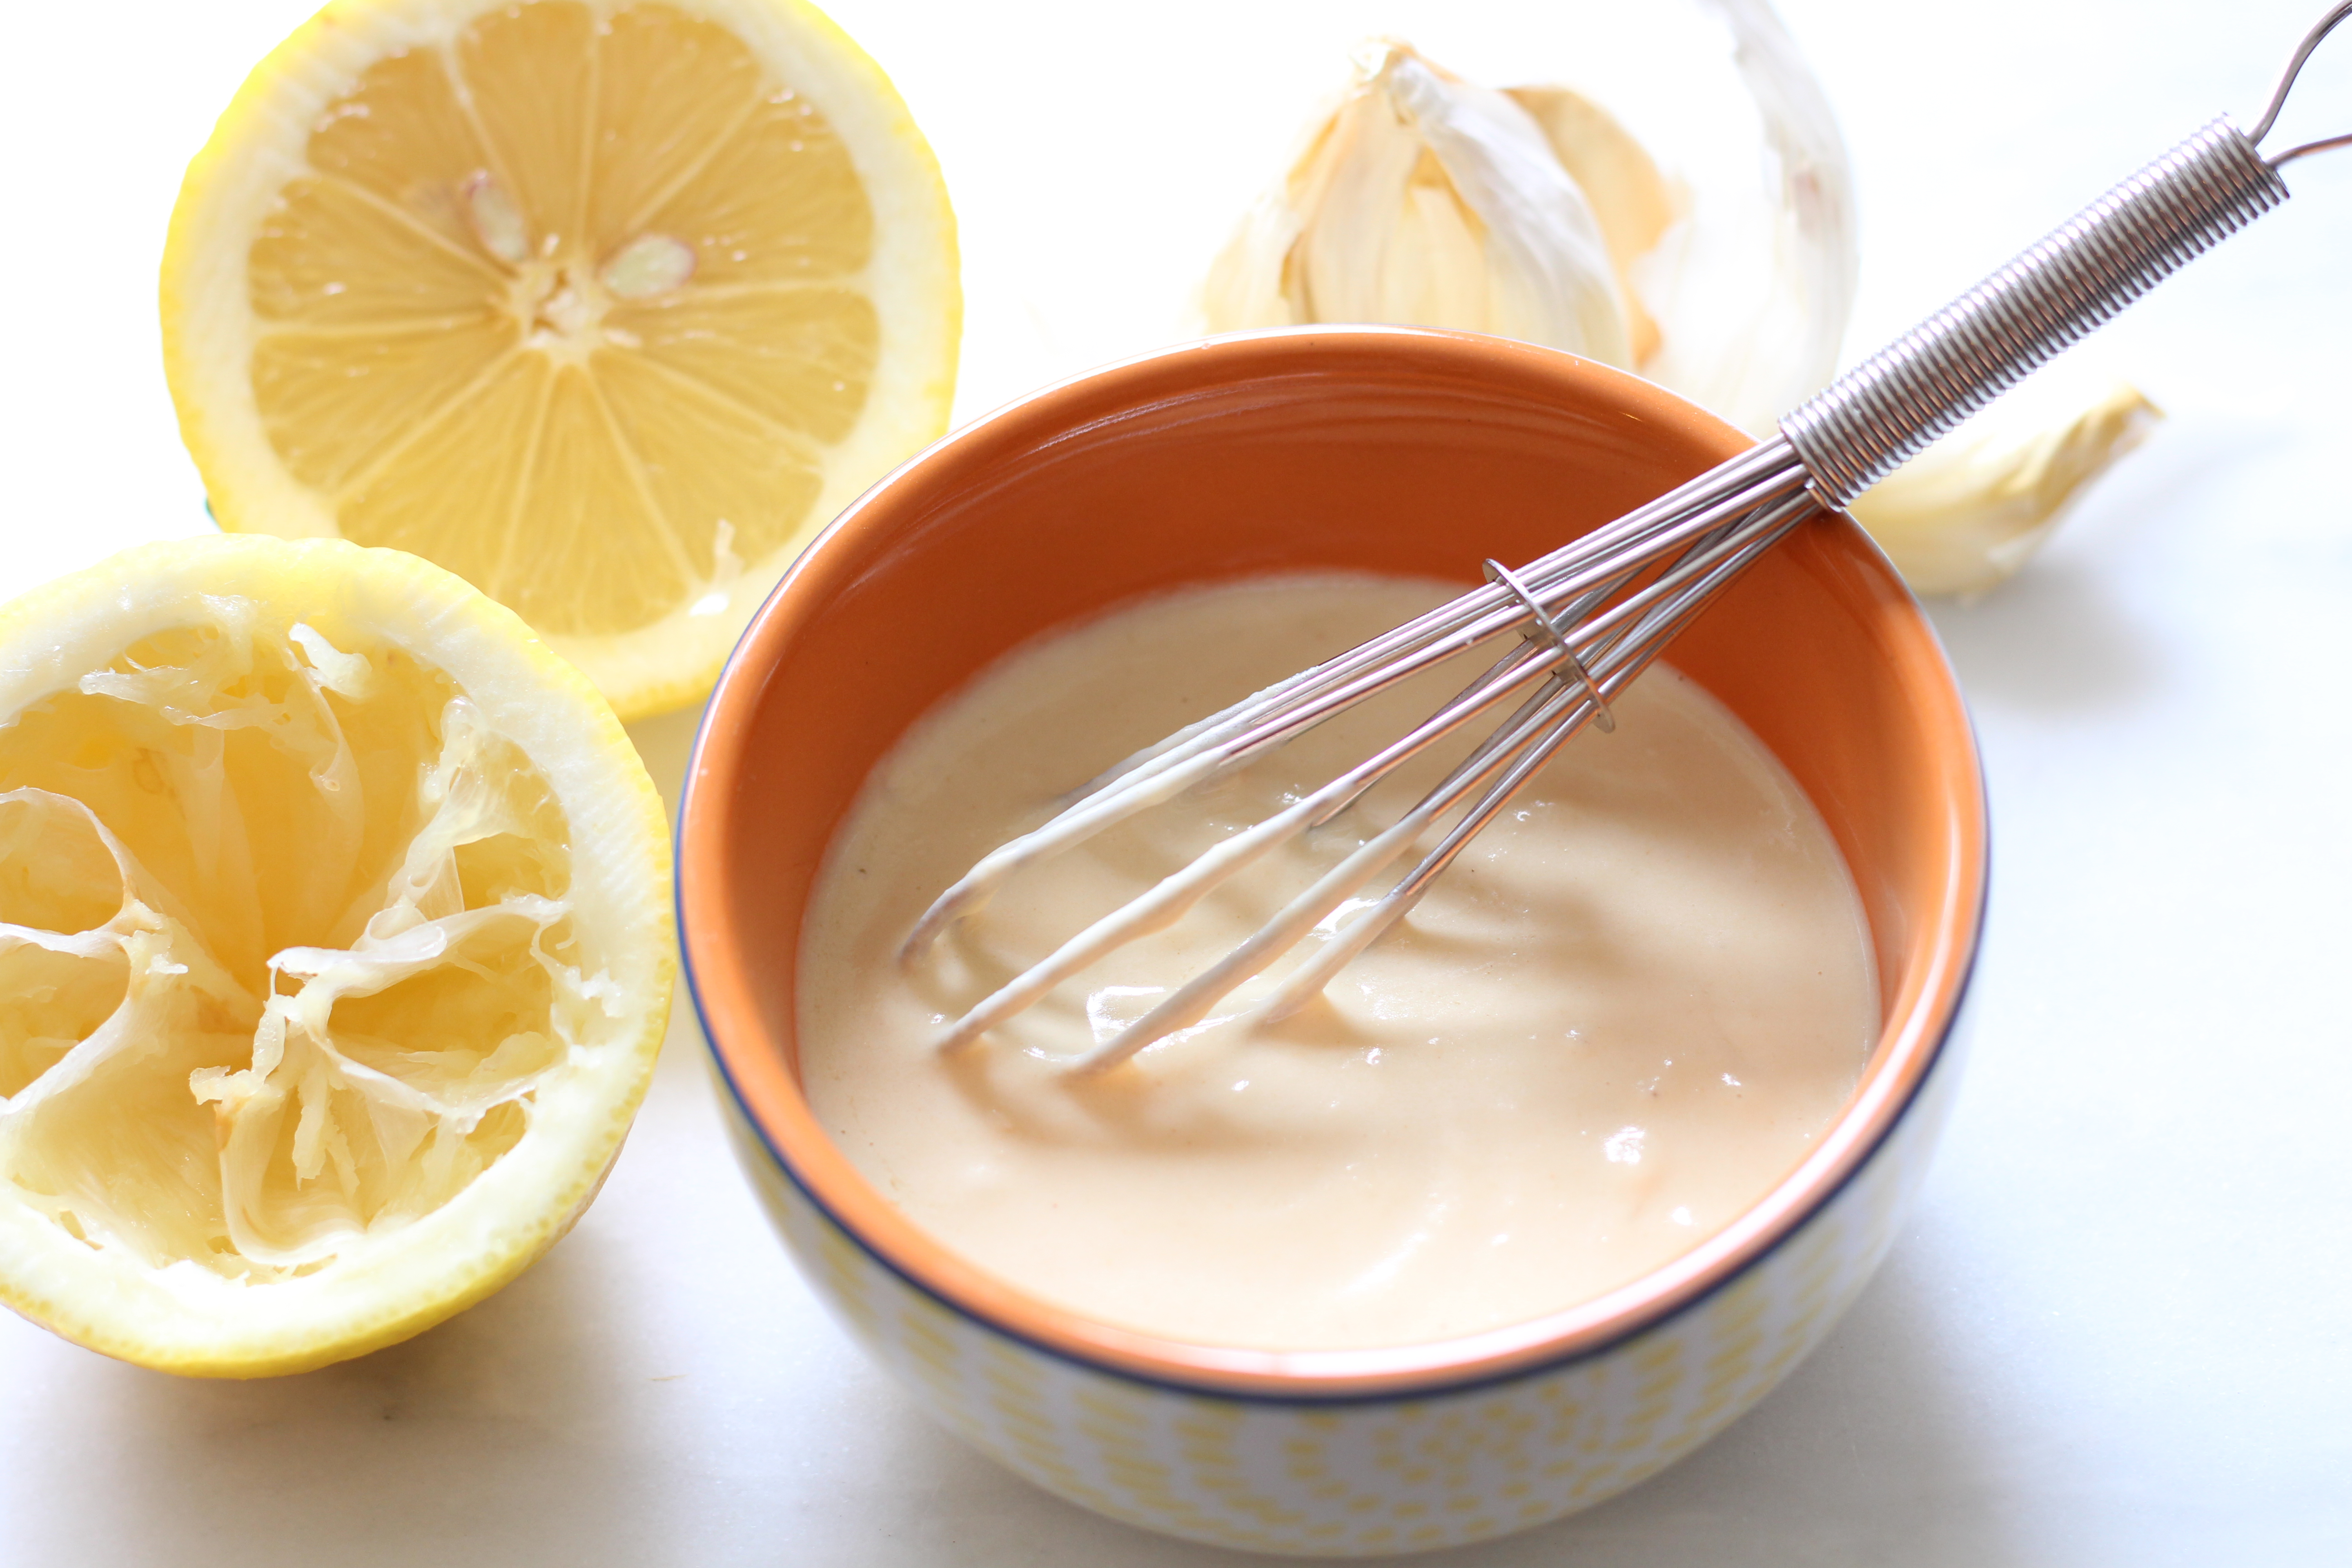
<point x="1594" y="615"/>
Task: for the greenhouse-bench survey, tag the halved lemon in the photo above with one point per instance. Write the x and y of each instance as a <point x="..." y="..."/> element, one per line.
<point x="605" y="305"/>
<point x="335" y="951"/>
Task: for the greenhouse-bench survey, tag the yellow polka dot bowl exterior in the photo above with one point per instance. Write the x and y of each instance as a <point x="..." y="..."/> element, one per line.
<point x="1386" y="449"/>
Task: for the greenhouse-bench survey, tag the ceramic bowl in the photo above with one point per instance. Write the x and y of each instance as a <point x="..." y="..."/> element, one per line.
<point x="1392" y="450"/>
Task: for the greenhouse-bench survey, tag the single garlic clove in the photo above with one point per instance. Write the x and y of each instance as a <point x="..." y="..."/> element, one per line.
<point x="1969" y="511"/>
<point x="1631" y="201"/>
<point x="1424" y="199"/>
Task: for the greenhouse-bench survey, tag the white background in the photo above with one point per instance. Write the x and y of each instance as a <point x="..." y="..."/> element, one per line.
<point x="2117" y="1331"/>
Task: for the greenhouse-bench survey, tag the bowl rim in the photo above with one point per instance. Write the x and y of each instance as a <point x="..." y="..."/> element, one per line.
<point x="765" y="1092"/>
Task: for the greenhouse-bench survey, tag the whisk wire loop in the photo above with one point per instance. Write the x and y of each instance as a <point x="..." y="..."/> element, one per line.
<point x="1610" y="649"/>
<point x="1232" y="738"/>
<point x="1563" y="655"/>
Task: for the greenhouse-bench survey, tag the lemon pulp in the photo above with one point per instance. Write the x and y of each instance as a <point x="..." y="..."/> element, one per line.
<point x="592" y="304"/>
<point x="297" y="937"/>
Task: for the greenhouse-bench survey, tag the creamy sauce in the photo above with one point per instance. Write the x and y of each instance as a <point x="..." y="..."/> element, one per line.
<point x="1625" y="1011"/>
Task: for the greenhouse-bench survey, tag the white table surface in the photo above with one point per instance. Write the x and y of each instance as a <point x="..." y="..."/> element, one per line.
<point x="2117" y="1330"/>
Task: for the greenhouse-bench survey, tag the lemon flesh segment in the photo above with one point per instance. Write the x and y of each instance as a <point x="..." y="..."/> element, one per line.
<point x="334" y="934"/>
<point x="605" y="307"/>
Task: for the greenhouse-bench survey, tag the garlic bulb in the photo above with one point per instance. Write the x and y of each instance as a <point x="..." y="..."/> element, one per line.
<point x="1424" y="199"/>
<point x="1971" y="510"/>
<point x="1533" y="212"/>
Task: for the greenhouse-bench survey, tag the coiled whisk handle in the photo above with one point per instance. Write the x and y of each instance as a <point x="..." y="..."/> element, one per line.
<point x="1880" y="414"/>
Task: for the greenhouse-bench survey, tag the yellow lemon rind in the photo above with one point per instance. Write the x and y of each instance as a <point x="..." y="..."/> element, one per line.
<point x="396" y="1286"/>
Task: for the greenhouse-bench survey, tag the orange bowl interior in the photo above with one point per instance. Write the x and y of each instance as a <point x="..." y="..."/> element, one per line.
<point x="1384" y="449"/>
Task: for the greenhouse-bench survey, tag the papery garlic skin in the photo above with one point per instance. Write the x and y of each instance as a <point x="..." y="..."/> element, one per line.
<point x="1425" y="200"/>
<point x="1969" y="511"/>
<point x="1753" y="290"/>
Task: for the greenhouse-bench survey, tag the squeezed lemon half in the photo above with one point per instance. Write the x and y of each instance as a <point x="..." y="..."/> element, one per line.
<point x="605" y="305"/>
<point x="335" y="951"/>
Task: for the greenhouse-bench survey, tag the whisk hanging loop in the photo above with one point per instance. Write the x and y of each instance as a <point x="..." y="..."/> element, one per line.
<point x="2261" y="129"/>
